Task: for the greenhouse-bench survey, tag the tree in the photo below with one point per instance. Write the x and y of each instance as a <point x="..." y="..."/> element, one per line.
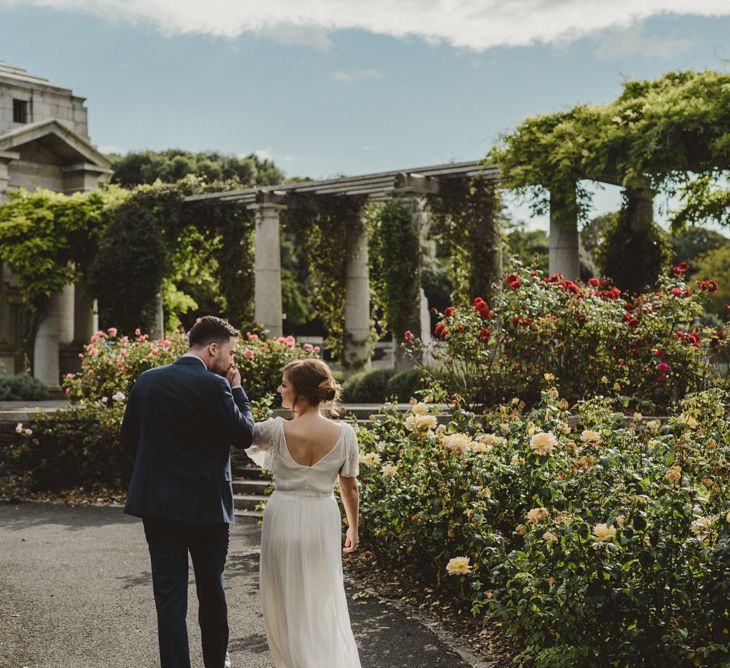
<point x="530" y="247"/>
<point x="691" y="242"/>
<point x="140" y="167"/>
<point x="715" y="265"/>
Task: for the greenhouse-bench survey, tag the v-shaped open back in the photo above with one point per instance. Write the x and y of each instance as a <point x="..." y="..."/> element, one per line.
<point x="324" y="456"/>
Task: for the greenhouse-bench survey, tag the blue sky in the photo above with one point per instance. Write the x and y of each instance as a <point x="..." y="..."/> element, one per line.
<point x="323" y="99"/>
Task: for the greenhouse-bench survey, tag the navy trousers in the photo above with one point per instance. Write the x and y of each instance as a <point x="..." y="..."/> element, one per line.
<point x="169" y="543"/>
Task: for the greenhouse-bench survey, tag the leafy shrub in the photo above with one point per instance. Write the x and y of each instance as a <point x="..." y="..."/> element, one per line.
<point x="604" y="543"/>
<point x="367" y="387"/>
<point x="403" y="385"/>
<point x="21" y="387"/>
<point x="111" y="363"/>
<point x="649" y="350"/>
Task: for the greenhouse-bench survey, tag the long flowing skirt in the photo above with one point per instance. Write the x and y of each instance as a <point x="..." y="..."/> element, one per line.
<point x="301" y="583"/>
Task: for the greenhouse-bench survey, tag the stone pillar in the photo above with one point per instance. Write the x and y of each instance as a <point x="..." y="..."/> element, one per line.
<point x="6" y="157"/>
<point x="267" y="267"/>
<point x="564" y="257"/>
<point x="158" y="325"/>
<point x="357" y="304"/>
<point x="640" y="209"/>
<point x="84" y="177"/>
<point x="86" y="315"/>
<point x="46" y="345"/>
<point x="66" y="307"/>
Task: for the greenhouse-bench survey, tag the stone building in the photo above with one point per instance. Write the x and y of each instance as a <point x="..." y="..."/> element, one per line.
<point x="44" y="143"/>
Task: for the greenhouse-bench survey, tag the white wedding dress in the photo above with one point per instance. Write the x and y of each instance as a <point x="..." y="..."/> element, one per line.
<point x="301" y="581"/>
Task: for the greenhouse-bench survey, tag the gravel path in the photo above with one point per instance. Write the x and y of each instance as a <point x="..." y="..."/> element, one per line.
<point x="75" y="592"/>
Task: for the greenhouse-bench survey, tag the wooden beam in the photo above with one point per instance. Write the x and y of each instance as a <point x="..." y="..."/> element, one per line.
<point x="416" y="184"/>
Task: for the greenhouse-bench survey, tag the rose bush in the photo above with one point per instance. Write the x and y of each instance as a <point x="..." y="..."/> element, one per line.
<point x="600" y="543"/>
<point x="110" y="363"/>
<point x="649" y="350"/>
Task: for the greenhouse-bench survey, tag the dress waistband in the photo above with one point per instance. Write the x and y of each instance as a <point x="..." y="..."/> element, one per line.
<point x="305" y="492"/>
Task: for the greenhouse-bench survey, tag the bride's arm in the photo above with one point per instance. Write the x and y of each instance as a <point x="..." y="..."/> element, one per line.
<point x="351" y="500"/>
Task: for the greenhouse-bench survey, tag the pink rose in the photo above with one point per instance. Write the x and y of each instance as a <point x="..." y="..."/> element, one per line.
<point x="112" y="331"/>
<point x="308" y="347"/>
<point x="249" y="353"/>
<point x="137" y="331"/>
<point x="662" y="367"/>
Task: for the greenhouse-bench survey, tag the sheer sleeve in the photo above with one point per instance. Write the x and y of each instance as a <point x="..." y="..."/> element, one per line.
<point x="351" y="467"/>
<point x="265" y="440"/>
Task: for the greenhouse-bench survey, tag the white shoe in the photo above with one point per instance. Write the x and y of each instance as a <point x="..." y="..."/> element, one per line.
<point x="227" y="663"/>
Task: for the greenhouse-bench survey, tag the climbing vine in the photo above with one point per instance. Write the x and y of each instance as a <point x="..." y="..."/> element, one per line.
<point x="465" y="217"/>
<point x="658" y="134"/>
<point x="395" y="266"/>
<point x="326" y="226"/>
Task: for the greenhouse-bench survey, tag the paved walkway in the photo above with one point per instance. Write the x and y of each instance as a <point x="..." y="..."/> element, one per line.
<point x="75" y="592"/>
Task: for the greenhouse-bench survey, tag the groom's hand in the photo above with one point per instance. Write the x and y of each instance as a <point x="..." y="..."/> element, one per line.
<point x="233" y="375"/>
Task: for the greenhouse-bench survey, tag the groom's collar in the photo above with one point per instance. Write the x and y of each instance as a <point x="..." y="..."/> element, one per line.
<point x="195" y="357"/>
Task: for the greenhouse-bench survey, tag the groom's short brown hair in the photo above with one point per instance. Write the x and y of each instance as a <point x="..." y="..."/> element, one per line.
<point x="209" y="329"/>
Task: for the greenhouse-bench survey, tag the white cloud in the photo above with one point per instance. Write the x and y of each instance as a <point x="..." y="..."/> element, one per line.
<point x="340" y="75"/>
<point x="264" y="154"/>
<point x="472" y="24"/>
<point x="613" y="43"/>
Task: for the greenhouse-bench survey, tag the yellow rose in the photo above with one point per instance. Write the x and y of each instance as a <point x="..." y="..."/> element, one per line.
<point x="521" y="530"/>
<point x="550" y="537"/>
<point x="543" y="443"/>
<point x="563" y="428"/>
<point x="370" y="459"/>
<point x="604" y="380"/>
<point x="420" y="408"/>
<point x="621" y="521"/>
<point x="702" y="528"/>
<point x="654" y="425"/>
<point x="480" y="447"/>
<point x="674" y="474"/>
<point x="458" y="566"/>
<point x="417" y="422"/>
<point x="616" y="387"/>
<point x="389" y="470"/>
<point x="549" y="377"/>
<point x="638" y="417"/>
<point x="491" y="439"/>
<point x="517" y="460"/>
<point x="604" y="532"/>
<point x="457" y="442"/>
<point x="537" y="515"/>
<point x="592" y="437"/>
<point x="563" y="405"/>
<point x="586" y="462"/>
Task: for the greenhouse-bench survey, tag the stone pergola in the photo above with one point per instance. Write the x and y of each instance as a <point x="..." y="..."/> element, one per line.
<point x="409" y="185"/>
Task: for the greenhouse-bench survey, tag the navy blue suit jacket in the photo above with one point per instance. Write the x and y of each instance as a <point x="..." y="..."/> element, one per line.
<point x="180" y="422"/>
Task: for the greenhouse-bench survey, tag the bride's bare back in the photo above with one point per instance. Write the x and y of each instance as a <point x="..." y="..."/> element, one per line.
<point x="309" y="438"/>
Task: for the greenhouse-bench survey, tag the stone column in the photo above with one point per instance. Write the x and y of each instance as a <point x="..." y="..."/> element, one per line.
<point x="267" y="267"/>
<point x="357" y="304"/>
<point x="46" y="345"/>
<point x="6" y="157"/>
<point x="86" y="315"/>
<point x="640" y="208"/>
<point x="66" y="304"/>
<point x="158" y="325"/>
<point x="564" y="257"/>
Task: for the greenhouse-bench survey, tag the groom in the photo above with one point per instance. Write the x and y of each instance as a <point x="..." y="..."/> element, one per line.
<point x="180" y="422"/>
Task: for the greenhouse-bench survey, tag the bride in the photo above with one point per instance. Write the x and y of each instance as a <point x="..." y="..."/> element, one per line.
<point x="301" y="581"/>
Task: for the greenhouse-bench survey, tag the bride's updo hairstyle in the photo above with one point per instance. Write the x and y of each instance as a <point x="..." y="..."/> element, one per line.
<point x="312" y="380"/>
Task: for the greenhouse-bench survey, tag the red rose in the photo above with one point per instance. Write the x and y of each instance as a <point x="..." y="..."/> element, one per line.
<point x="660" y="352"/>
<point x="662" y="367"/>
<point x="408" y="335"/>
<point x="660" y="379"/>
<point x="449" y="311"/>
<point x="484" y="335"/>
<point x="594" y="282"/>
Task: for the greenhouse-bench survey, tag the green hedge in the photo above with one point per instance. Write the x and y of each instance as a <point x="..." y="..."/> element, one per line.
<point x="21" y="387"/>
<point x="381" y="385"/>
